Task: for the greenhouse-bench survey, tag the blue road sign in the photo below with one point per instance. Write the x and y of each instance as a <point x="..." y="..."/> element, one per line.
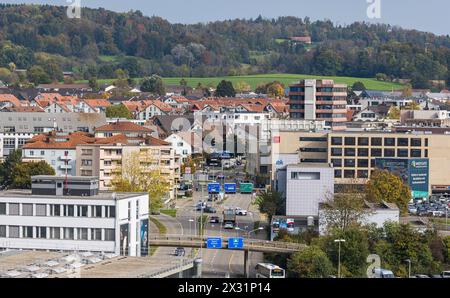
<point x="213" y="187"/>
<point x="235" y="243"/>
<point x="214" y="242"/>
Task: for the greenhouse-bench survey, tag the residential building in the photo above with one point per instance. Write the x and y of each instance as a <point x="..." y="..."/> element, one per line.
<point x="72" y="215"/>
<point x="127" y="128"/>
<point x="425" y="118"/>
<point x="10" y="141"/>
<point x="185" y="143"/>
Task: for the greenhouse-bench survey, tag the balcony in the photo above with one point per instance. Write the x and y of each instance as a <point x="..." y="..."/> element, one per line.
<point x="65" y="167"/>
<point x="64" y="158"/>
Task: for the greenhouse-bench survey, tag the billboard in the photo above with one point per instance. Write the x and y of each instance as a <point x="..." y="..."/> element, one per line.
<point x="413" y="171"/>
<point x="144" y="237"/>
<point x="124" y="239"/>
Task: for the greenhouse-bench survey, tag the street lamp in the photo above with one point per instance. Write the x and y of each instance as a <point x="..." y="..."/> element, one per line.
<point x="255" y="230"/>
<point x="409" y="267"/>
<point x="339" y="255"/>
<point x="190" y="226"/>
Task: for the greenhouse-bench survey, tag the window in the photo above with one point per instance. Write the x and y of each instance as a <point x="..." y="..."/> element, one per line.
<point x="363" y="174"/>
<point x="416" y="142"/>
<point x="42" y="152"/>
<point x="363" y="141"/>
<point x="403" y="142"/>
<point x="363" y="152"/>
<point x="426" y="142"/>
<point x="110" y="235"/>
<point x="350" y="151"/>
<point x="376" y="141"/>
<point x="41" y="232"/>
<point x="55" y="233"/>
<point x="86" y="162"/>
<point x="2" y="208"/>
<point x="110" y="211"/>
<point x="27" y="232"/>
<point x="2" y="231"/>
<point x="82" y="234"/>
<point x="137" y="209"/>
<point x="315" y="139"/>
<point x="389" y="141"/>
<point x="389" y="152"/>
<point x="107" y="163"/>
<point x="14" y="232"/>
<point x="55" y="210"/>
<point x="426" y="152"/>
<point x="305" y="175"/>
<point x="69" y="234"/>
<point x="349" y="163"/>
<point x="416" y="153"/>
<point x="337" y="163"/>
<point x="336" y="141"/>
<point x="129" y="211"/>
<point x="96" y="234"/>
<point x="336" y="151"/>
<point x="350" y="141"/>
<point x="41" y="210"/>
<point x="375" y="152"/>
<point x="82" y="211"/>
<point x="349" y="174"/>
<point x="13" y="209"/>
<point x="69" y="210"/>
<point x="363" y="163"/>
<point x="27" y="209"/>
<point x="96" y="211"/>
<point x="402" y="153"/>
<point x="337" y="173"/>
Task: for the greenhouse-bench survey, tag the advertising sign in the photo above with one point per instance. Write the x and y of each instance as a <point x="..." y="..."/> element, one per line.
<point x="235" y="243"/>
<point x="413" y="171"/>
<point x="144" y="237"/>
<point x="214" y="242"/>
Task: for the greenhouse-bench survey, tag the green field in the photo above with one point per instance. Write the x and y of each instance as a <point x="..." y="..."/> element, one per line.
<point x="255" y="80"/>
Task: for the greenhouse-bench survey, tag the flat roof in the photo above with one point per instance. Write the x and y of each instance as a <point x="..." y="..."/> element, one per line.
<point x="104" y="195"/>
<point x="310" y="165"/>
<point x="70" y="178"/>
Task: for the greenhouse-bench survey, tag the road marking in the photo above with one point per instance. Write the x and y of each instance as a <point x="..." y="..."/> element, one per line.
<point x="229" y="263"/>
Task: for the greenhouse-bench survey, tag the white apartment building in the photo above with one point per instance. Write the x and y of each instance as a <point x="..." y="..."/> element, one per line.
<point x="10" y="141"/>
<point x="73" y="217"/>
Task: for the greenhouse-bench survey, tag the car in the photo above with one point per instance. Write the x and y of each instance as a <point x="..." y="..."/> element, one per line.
<point x="383" y="273"/>
<point x="155" y="212"/>
<point x="228" y="225"/>
<point x="412" y="210"/>
<point x="209" y="209"/>
<point x="240" y="211"/>
<point x="421" y="276"/>
<point x="179" y="252"/>
<point x="214" y="219"/>
<point x="445" y="274"/>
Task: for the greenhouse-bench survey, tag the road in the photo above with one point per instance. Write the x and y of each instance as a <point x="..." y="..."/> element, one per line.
<point x="220" y="263"/>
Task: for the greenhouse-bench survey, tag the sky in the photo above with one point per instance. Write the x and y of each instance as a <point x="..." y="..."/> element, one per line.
<point x="423" y="15"/>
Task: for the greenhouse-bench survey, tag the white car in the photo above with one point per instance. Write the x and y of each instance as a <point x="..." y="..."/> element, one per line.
<point x="228" y="225"/>
<point x="240" y="211"/>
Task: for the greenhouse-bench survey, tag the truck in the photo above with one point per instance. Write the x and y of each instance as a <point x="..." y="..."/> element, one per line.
<point x="229" y="218"/>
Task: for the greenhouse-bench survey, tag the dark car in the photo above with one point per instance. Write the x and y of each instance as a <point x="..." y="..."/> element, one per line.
<point x="179" y="252"/>
<point x="209" y="210"/>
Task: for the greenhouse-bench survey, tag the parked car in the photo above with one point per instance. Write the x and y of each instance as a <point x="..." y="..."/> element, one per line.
<point x="179" y="251"/>
<point x="214" y="219"/>
<point x="421" y="276"/>
<point x="445" y="274"/>
<point x="383" y="273"/>
<point x="209" y="209"/>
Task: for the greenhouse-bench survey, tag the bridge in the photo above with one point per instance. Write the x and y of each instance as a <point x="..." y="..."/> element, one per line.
<point x="255" y="245"/>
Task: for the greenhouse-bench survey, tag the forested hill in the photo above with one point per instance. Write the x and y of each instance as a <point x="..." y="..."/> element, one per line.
<point x="102" y="41"/>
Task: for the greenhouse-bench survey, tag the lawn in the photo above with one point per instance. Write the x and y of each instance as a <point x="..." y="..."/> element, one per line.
<point x="170" y="212"/>
<point x="161" y="228"/>
<point x="255" y="80"/>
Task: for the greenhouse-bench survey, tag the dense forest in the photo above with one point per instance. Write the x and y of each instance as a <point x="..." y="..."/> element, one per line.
<point x="44" y="41"/>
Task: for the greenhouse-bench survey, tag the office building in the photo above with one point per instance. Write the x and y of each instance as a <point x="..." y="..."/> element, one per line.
<point x="72" y="215"/>
<point x="319" y="100"/>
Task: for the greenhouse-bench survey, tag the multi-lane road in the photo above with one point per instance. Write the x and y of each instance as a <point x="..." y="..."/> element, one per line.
<point x="220" y="263"/>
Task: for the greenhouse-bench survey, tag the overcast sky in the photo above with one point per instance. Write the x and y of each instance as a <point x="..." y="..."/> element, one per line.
<point x="424" y="15"/>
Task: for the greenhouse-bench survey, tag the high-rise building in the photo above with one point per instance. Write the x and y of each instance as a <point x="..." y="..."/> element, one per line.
<point x="319" y="100"/>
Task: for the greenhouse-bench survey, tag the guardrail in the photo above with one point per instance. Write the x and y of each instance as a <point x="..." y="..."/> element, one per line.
<point x="176" y="268"/>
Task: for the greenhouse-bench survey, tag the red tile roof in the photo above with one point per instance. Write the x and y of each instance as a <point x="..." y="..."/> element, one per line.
<point x="122" y="126"/>
<point x="10" y="98"/>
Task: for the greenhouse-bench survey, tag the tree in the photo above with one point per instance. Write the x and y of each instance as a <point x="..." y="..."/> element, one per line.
<point x="7" y="77"/>
<point x="343" y="210"/>
<point x="242" y="87"/>
<point x="37" y="75"/>
<point x="358" y="86"/>
<point x="184" y="84"/>
<point x="385" y="186"/>
<point x="6" y="168"/>
<point x="271" y="203"/>
<point x="118" y="111"/>
<point x="153" y="84"/>
<point x="412" y="106"/>
<point x="225" y="89"/>
<point x="121" y="78"/>
<point x="394" y="113"/>
<point x="141" y="172"/>
<point x="407" y="90"/>
<point x="275" y="89"/>
<point x="311" y="262"/>
<point x="93" y="83"/>
<point x="22" y="172"/>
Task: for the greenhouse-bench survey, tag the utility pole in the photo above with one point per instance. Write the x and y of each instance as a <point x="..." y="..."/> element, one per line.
<point x="409" y="267"/>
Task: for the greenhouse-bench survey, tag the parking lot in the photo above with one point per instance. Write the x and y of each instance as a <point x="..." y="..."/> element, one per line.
<point x="435" y="206"/>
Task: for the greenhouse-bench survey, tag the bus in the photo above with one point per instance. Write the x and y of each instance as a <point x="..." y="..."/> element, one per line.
<point x="266" y="270"/>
